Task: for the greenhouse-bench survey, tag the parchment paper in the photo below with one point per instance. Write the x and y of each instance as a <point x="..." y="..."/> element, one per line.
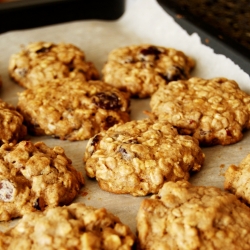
<point x="143" y="22"/>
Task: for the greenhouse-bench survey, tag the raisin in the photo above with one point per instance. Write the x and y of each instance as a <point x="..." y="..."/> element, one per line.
<point x="174" y="73"/>
<point x="21" y="72"/>
<point x="108" y="101"/>
<point x="43" y="50"/>
<point x="151" y="51"/>
<point x="110" y="121"/>
<point x="125" y="154"/>
<point x="95" y="140"/>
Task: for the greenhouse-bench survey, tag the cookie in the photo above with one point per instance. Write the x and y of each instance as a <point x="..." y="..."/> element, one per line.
<point x="40" y="62"/>
<point x="11" y="124"/>
<point x="237" y="180"/>
<point x="214" y="111"/>
<point x="141" y="69"/>
<point x="34" y="177"/>
<point x="187" y="217"/>
<point x="138" y="157"/>
<point x="70" y="227"/>
<point x="73" y="109"/>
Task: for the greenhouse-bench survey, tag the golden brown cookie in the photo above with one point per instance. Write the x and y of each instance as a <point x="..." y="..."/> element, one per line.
<point x="75" y="227"/>
<point x="138" y="157"/>
<point x="34" y="177"/>
<point x="141" y="69"/>
<point x="237" y="180"/>
<point x="215" y="111"/>
<point x="187" y="217"/>
<point x="72" y="109"/>
<point x="41" y="62"/>
<point x="12" y="128"/>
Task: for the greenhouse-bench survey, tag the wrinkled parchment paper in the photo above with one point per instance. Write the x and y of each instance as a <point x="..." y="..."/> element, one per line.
<point x="142" y="22"/>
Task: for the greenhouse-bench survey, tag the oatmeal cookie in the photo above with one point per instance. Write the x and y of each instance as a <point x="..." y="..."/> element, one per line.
<point x="73" y="110"/>
<point x="11" y="124"/>
<point x="141" y="69"/>
<point x="33" y="177"/>
<point x="237" y="180"/>
<point x="138" y="157"/>
<point x="40" y="62"/>
<point x="215" y="111"/>
<point x="76" y="226"/>
<point x="187" y="217"/>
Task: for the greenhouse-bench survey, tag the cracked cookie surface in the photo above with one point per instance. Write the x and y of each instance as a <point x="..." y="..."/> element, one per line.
<point x="139" y="156"/>
<point x="141" y="69"/>
<point x="41" y="62"/>
<point x="237" y="179"/>
<point x="34" y="177"/>
<point x="72" y="109"/>
<point x="12" y="128"/>
<point x="183" y="216"/>
<point x="76" y="226"/>
<point x="215" y="111"/>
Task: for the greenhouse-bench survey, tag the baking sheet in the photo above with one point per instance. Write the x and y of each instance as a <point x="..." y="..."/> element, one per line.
<point x="143" y="22"/>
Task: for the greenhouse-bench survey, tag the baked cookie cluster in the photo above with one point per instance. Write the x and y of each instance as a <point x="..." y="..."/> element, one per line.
<point x="12" y="128"/>
<point x="66" y="98"/>
<point x="70" y="227"/>
<point x="142" y="69"/>
<point x="214" y="111"/>
<point x="183" y="216"/>
<point x="44" y="61"/>
<point x="33" y="177"/>
<point x="138" y="157"/>
<point x="72" y="109"/>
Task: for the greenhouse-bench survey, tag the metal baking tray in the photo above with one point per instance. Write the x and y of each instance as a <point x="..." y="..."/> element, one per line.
<point x="209" y="36"/>
<point x="24" y="14"/>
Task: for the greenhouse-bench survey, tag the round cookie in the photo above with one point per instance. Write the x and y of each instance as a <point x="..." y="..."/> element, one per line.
<point x="214" y="111"/>
<point x="237" y="180"/>
<point x="34" y="177"/>
<point x="40" y="62"/>
<point x="74" y="227"/>
<point x="138" y="157"/>
<point x="141" y="69"/>
<point x="11" y="124"/>
<point x="187" y="217"/>
<point x="72" y="109"/>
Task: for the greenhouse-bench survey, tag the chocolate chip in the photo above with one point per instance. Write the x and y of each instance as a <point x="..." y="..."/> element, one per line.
<point x="108" y="101"/>
<point x="151" y="51"/>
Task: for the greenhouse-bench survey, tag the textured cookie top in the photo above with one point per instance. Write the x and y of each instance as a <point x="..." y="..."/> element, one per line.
<point x="73" y="110"/>
<point x="188" y="217"/>
<point x="40" y="62"/>
<point x="141" y="69"/>
<point x="33" y="177"/>
<point x="139" y="156"/>
<point x="74" y="227"/>
<point x="237" y="180"/>
<point x="12" y="128"/>
<point x="214" y="111"/>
